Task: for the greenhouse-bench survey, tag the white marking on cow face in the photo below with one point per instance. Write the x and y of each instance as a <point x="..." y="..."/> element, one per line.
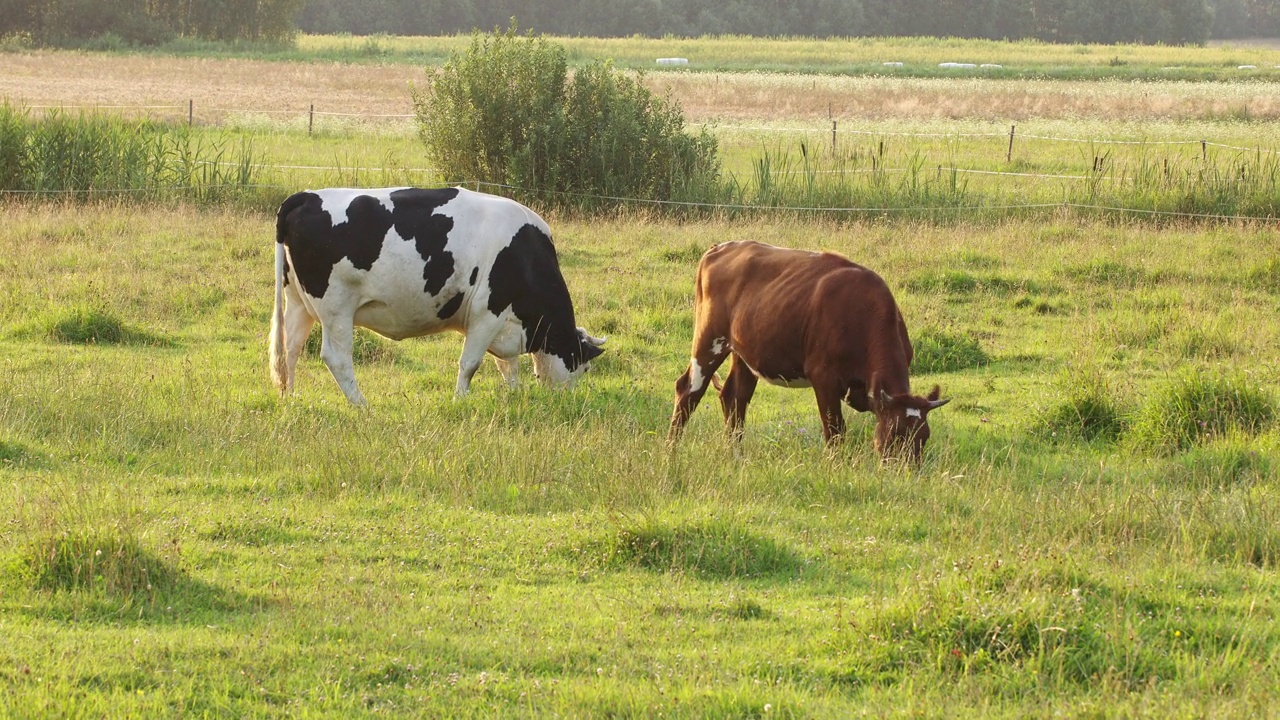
<point x="913" y="412"/>
<point x="551" y="370"/>
<point x="696" y="381"/>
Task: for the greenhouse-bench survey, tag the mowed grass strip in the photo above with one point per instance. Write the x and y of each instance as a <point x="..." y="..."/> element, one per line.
<point x="541" y="552"/>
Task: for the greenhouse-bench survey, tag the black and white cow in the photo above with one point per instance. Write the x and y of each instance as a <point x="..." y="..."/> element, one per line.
<point x="407" y="262"/>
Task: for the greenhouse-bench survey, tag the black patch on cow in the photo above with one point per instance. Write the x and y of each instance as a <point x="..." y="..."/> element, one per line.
<point x="316" y="244"/>
<point x="415" y="219"/>
<point x="448" y="309"/>
<point x="526" y="278"/>
<point x="475" y="273"/>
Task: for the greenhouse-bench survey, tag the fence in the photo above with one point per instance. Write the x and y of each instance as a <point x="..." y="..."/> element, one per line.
<point x="835" y="132"/>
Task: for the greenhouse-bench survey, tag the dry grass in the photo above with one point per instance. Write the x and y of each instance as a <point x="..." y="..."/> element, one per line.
<point x="801" y="97"/>
<point x="217" y="86"/>
<point x="223" y="87"/>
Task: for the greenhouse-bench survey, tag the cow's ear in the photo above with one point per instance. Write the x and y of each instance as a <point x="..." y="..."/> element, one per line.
<point x="935" y="393"/>
<point x="590" y="352"/>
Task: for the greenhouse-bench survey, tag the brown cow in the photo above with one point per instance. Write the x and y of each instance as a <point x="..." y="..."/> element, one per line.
<point x="803" y="319"/>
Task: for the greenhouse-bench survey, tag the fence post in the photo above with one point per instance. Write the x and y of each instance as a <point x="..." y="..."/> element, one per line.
<point x="1008" y="156"/>
<point x="191" y="112"/>
<point x="1204" y="152"/>
<point x="833" y="137"/>
<point x="311" y="118"/>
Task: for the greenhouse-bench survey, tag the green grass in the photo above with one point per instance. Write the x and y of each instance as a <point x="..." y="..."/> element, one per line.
<point x="543" y="553"/>
<point x="856" y="56"/>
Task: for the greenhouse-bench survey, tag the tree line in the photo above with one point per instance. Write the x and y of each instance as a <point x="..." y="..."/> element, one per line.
<point x="1174" y="22"/>
<point x="148" y="22"/>
<point x="153" y="22"/>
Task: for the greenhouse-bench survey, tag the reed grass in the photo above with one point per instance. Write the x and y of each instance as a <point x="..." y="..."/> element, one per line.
<point x="58" y="155"/>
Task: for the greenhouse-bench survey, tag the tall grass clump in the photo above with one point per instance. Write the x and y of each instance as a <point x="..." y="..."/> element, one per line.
<point x="90" y="324"/>
<point x="937" y="351"/>
<point x="507" y="113"/>
<point x="87" y="156"/>
<point x="715" y="548"/>
<point x="1088" y="409"/>
<point x="109" y="561"/>
<point x="1197" y="407"/>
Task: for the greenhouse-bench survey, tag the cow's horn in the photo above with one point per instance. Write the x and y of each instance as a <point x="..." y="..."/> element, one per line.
<point x="935" y="404"/>
<point x="885" y="397"/>
<point x="597" y="341"/>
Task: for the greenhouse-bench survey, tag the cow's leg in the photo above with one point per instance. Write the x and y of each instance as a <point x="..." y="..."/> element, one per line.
<point x="510" y="370"/>
<point x="336" y="337"/>
<point x="708" y="353"/>
<point x="829" y="394"/>
<point x="735" y="394"/>
<point x="479" y="336"/>
<point x="297" y="326"/>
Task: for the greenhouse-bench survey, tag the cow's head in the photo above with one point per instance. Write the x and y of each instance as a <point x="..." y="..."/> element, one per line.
<point x="902" y="423"/>
<point x="564" y="369"/>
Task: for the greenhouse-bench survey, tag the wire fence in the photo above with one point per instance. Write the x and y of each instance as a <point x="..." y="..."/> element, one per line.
<point x="311" y="112"/>
<point x="429" y="174"/>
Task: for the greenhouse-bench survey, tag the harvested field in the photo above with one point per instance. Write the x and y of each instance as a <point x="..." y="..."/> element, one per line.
<point x="222" y="86"/>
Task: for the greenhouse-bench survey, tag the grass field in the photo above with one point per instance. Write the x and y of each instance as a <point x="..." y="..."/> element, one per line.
<point x="918" y="57"/>
<point x="1094" y="532"/>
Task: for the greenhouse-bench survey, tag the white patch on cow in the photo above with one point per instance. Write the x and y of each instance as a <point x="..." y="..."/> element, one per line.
<point x="781" y="382"/>
<point x="913" y="412"/>
<point x="551" y="369"/>
<point x="718" y="346"/>
<point x="787" y="382"/>
<point x="696" y="381"/>
<point x="335" y="201"/>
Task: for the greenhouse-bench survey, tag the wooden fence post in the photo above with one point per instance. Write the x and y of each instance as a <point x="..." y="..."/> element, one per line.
<point x="311" y="118"/>
<point x="191" y="112"/>
<point x="1008" y="156"/>
<point x="833" y="137"/>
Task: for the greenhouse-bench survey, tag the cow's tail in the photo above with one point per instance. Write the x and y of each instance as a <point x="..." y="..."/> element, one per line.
<point x="279" y="367"/>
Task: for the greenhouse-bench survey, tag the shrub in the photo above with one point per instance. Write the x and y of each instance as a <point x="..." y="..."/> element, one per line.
<point x="506" y="113"/>
<point x="1196" y="407"/>
<point x="937" y="351"/>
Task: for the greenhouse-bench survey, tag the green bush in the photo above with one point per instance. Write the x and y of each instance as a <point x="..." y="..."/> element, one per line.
<point x="1197" y="407"/>
<point x="506" y="113"/>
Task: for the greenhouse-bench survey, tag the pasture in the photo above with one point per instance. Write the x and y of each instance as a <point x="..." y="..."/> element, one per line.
<point x="1094" y="530"/>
